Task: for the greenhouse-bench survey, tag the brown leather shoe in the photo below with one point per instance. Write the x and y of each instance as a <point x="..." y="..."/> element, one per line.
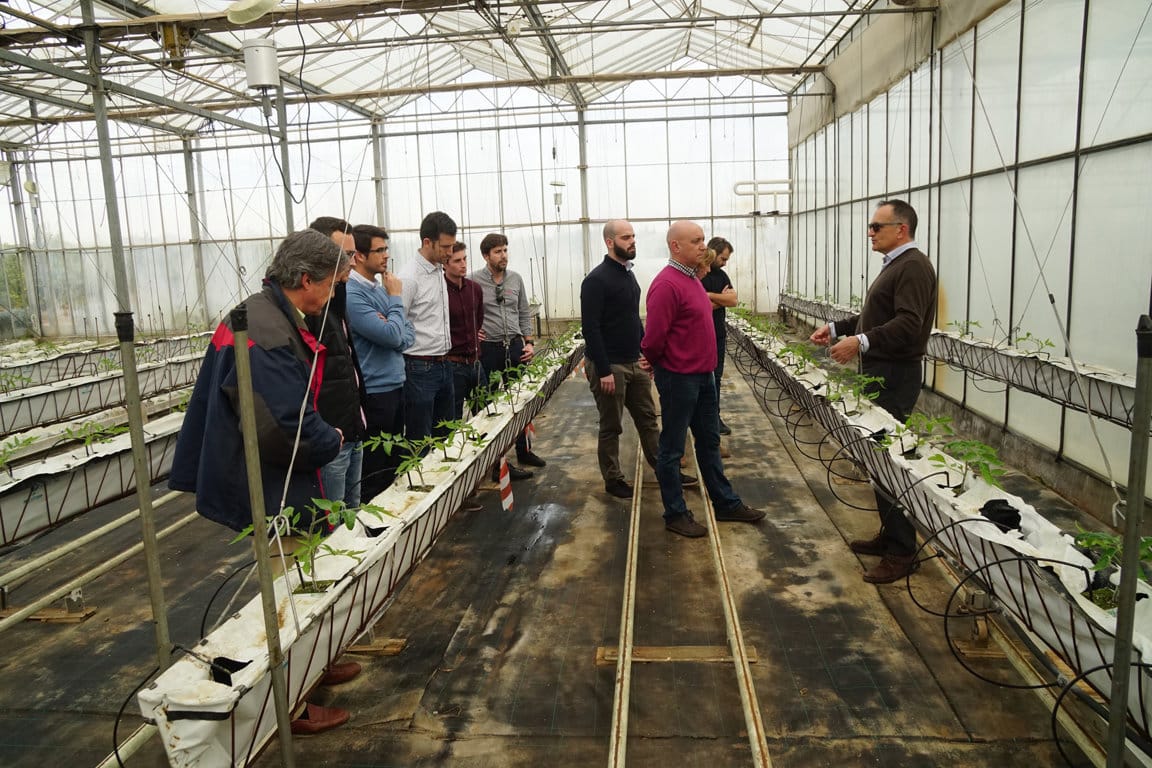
<point x="686" y="525"/>
<point x="340" y="673"/>
<point x="317" y="719"/>
<point x="891" y="568"/>
<point x="873" y="546"/>
<point x="742" y="514"/>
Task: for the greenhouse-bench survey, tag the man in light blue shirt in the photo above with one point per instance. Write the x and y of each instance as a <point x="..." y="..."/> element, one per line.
<point x="380" y="332"/>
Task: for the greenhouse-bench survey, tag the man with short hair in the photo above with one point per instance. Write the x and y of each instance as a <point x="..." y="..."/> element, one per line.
<point x="380" y="334"/>
<point x="722" y="295"/>
<point x="890" y="336"/>
<point x="681" y="346"/>
<point x="341" y="383"/>
<point x="428" y="393"/>
<point x="617" y="373"/>
<point x="466" y="319"/>
<point x="507" y="330"/>
<point x="209" y="457"/>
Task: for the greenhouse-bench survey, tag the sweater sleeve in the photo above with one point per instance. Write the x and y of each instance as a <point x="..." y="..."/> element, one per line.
<point x="365" y="319"/>
<point x="661" y="312"/>
<point x="591" y="311"/>
<point x="912" y="304"/>
<point x="847" y="327"/>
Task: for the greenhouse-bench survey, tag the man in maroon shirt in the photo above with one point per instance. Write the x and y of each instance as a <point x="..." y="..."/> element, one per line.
<point x="465" y="319"/>
<point x="681" y="346"/>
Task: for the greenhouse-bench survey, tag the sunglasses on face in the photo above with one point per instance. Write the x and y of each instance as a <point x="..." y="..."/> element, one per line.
<point x="876" y="225"/>
<point x="500" y="293"/>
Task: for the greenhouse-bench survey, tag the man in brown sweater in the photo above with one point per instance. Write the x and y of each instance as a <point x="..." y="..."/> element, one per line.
<point x="890" y="335"/>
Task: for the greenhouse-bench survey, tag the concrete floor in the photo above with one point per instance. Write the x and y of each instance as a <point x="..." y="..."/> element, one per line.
<point x="504" y="618"/>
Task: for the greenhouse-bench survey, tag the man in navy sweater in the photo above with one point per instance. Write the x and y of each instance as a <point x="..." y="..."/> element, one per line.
<point x="680" y="344"/>
<point x="618" y="375"/>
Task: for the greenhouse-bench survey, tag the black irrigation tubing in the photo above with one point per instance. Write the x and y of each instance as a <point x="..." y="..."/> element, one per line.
<point x="120" y="715"/>
<point x="1131" y="733"/>
<point x="830" y="473"/>
<point x="956" y="591"/>
<point x="204" y="618"/>
<point x="896" y="501"/>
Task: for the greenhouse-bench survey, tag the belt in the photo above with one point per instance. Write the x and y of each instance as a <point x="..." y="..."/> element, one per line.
<point x="466" y="359"/>
<point x="502" y="342"/>
<point x="428" y="358"/>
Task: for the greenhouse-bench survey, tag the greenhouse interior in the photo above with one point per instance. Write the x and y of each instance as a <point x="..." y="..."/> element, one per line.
<point x="855" y="270"/>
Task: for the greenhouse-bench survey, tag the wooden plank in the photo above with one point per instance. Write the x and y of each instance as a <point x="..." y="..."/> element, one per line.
<point x="648" y="654"/>
<point x="53" y="615"/>
<point x="389" y="646"/>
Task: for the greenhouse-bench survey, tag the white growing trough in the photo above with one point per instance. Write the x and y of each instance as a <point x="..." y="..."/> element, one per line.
<point x="207" y="723"/>
<point x="1035" y="574"/>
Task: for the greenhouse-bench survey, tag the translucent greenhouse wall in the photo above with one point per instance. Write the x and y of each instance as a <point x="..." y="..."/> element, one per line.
<point x="200" y="217"/>
<point x="1015" y="176"/>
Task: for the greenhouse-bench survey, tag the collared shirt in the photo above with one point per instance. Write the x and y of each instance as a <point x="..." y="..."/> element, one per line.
<point x="888" y="259"/>
<point x="681" y="268"/>
<point x="425" y="297"/>
<point x="506" y="311"/>
<point x="466" y="316"/>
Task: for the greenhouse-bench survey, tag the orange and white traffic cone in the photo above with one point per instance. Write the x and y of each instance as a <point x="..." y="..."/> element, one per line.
<point x="505" y="486"/>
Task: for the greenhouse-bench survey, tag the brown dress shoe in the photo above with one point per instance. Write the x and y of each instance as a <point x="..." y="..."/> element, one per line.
<point x="340" y="673"/>
<point x="873" y="546"/>
<point x="891" y="568"/>
<point x="317" y="719"/>
<point x="685" y="525"/>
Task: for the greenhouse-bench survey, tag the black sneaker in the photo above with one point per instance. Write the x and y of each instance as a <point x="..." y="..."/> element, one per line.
<point x="742" y="514"/>
<point x="515" y="473"/>
<point x="685" y="525"/>
<point x="530" y="459"/>
<point x="618" y="488"/>
<point x="687" y="481"/>
<point x="724" y="428"/>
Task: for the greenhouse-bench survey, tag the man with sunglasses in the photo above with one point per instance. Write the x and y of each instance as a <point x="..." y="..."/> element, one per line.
<point x="507" y="329"/>
<point x="890" y="336"/>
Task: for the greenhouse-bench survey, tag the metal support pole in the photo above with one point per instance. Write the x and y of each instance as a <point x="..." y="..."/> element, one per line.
<point x="1130" y="557"/>
<point x="197" y="233"/>
<point x="282" y="119"/>
<point x="260" y="536"/>
<point x="100" y="118"/>
<point x="585" y="225"/>
<point x="378" y="173"/>
<point x="24" y="245"/>
<point x="126" y="334"/>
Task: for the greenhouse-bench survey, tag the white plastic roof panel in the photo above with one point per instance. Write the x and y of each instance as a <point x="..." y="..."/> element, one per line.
<point x="375" y="57"/>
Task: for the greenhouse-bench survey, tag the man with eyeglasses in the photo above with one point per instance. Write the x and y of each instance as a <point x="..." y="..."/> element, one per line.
<point x="890" y="336"/>
<point x="341" y="382"/>
<point x="507" y="330"/>
<point x="428" y="375"/>
<point x="380" y="334"/>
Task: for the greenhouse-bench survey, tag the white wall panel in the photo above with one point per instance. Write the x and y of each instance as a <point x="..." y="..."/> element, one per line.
<point x="877" y="145"/>
<point x="1034" y="417"/>
<point x="997" y="73"/>
<point x="952" y="273"/>
<point x="859" y="153"/>
<point x="956" y="108"/>
<point x="1112" y="271"/>
<point x="1043" y="247"/>
<point x="920" y="138"/>
<point x="1117" y="89"/>
<point x="1050" y="76"/>
<point x="844" y="158"/>
<point x="844" y="248"/>
<point x="899" y="111"/>
<point x="991" y="256"/>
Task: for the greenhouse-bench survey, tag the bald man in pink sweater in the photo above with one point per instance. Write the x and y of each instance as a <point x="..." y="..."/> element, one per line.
<point x="680" y="344"/>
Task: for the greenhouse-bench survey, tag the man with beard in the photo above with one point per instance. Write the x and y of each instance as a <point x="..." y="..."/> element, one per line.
<point x="723" y="295"/>
<point x="618" y="374"/>
<point x="507" y="331"/>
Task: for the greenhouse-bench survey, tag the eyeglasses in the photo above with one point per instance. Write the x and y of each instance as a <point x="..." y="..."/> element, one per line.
<point x="876" y="225"/>
<point x="350" y="254"/>
<point x="381" y="249"/>
<point x="499" y="293"/>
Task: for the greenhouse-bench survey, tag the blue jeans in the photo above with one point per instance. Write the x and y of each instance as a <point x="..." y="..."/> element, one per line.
<point x="427" y="396"/>
<point x="689" y="400"/>
<point x="465" y="378"/>
<point x="341" y="476"/>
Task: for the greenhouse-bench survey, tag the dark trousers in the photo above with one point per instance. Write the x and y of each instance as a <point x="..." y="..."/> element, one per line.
<point x="465" y="378"/>
<point x="427" y="396"/>
<point x="688" y="400"/>
<point x="384" y="412"/>
<point x="634" y="392"/>
<point x="898" y="395"/>
<point x="721" y="342"/>
<point x="495" y="356"/>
